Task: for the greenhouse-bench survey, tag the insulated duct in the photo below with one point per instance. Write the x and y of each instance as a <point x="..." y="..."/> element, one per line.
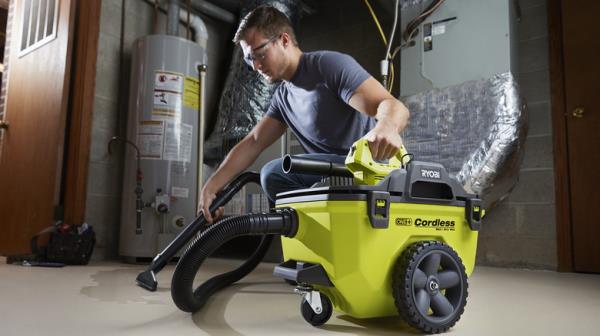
<point x="246" y="95"/>
<point x="476" y="130"/>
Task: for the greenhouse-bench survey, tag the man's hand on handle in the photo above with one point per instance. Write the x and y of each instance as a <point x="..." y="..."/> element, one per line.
<point x="384" y="142"/>
<point x="207" y="197"/>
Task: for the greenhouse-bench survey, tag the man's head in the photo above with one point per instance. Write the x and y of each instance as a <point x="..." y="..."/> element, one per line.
<point x="267" y="38"/>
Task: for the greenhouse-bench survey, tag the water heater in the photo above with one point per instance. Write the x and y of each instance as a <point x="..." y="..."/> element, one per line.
<point x="160" y="183"/>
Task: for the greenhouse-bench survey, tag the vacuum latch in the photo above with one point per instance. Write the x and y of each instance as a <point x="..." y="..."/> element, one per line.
<point x="378" y="203"/>
<point x="474" y="213"/>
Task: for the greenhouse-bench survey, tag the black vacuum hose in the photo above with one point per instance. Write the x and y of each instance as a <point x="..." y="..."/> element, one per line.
<point x="283" y="222"/>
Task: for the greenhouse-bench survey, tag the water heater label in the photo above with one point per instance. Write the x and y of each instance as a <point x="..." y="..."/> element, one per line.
<point x="168" y="91"/>
<point x="167" y="105"/>
<point x="150" y="139"/>
<point x="168" y="81"/>
<point x="180" y="192"/>
<point x="178" y="142"/>
<point x="191" y="93"/>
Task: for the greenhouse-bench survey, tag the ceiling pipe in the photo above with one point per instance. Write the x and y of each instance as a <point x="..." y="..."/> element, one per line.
<point x="198" y="27"/>
<point x="200" y="32"/>
<point x="213" y="11"/>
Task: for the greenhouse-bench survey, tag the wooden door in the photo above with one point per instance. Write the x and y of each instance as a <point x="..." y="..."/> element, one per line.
<point x="31" y="156"/>
<point x="581" y="47"/>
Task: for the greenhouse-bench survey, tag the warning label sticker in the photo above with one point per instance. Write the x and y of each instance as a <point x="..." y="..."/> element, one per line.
<point x="180" y="192"/>
<point x="168" y="90"/>
<point x="191" y="93"/>
<point x="150" y="139"/>
<point x="168" y="81"/>
<point x="178" y="142"/>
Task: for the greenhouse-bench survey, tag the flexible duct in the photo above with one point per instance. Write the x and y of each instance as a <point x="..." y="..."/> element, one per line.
<point x="246" y="95"/>
<point x="284" y="222"/>
<point x="476" y="130"/>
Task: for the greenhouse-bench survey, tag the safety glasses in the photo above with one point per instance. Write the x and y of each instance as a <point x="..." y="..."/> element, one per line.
<point x="259" y="53"/>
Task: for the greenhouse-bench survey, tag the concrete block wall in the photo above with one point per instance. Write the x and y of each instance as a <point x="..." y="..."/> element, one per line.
<point x="347" y="27"/>
<point x="521" y="231"/>
<point x="109" y="119"/>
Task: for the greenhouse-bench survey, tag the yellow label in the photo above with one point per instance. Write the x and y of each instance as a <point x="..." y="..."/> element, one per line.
<point x="191" y="93"/>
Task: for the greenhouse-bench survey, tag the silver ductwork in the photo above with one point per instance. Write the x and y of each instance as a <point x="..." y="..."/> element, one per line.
<point x="476" y="130"/>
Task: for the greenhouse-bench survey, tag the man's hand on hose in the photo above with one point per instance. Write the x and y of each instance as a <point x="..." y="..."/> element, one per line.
<point x="207" y="196"/>
<point x="384" y="142"/>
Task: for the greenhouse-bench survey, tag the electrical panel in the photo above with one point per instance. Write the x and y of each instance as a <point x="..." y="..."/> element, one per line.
<point x="462" y="40"/>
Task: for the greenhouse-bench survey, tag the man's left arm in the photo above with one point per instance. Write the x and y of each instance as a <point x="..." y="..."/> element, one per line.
<point x="371" y="98"/>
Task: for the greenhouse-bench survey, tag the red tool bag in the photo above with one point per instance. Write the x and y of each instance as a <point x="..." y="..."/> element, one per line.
<point x="68" y="244"/>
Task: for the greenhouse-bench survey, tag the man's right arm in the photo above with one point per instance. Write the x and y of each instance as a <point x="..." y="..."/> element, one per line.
<point x="265" y="133"/>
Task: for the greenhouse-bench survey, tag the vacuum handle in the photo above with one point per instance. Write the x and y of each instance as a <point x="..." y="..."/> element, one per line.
<point x="225" y="195"/>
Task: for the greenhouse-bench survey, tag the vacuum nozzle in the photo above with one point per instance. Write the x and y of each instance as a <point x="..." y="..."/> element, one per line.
<point x="300" y="165"/>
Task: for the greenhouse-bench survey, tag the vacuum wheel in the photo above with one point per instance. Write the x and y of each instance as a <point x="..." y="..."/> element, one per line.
<point x="313" y="318"/>
<point x="430" y="286"/>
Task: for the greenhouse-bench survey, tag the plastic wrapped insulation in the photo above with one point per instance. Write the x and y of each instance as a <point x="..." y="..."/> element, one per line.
<point x="246" y="94"/>
<point x="476" y="130"/>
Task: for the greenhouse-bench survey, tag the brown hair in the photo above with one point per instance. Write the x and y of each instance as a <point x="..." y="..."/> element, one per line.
<point x="267" y="20"/>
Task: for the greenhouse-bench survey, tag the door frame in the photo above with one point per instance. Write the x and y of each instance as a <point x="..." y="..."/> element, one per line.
<point x="81" y="108"/>
<point x="562" y="191"/>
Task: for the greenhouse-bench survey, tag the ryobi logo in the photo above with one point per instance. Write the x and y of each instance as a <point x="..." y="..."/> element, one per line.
<point x="428" y="173"/>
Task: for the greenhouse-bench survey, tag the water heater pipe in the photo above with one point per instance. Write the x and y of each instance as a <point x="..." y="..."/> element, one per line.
<point x="139" y="204"/>
<point x="172" y="15"/>
<point x="201" y="122"/>
<point x="197" y="25"/>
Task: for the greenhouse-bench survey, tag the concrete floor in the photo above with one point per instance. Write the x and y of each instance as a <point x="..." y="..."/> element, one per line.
<point x="102" y="299"/>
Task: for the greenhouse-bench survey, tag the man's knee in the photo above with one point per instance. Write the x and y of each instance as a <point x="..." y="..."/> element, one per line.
<point x="268" y="177"/>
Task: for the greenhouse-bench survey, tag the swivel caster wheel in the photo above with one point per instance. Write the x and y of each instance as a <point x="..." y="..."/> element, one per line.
<point x="310" y="315"/>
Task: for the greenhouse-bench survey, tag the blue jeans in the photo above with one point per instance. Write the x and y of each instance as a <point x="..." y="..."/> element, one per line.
<point x="274" y="180"/>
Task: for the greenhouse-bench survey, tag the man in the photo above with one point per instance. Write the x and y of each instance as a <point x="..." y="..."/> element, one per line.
<point x="326" y="98"/>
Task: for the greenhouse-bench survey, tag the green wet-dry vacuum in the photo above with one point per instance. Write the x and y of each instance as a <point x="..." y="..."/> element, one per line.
<point x="371" y="240"/>
<point x="400" y="240"/>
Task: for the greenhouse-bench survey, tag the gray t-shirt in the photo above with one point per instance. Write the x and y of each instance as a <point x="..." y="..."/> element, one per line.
<point x="314" y="103"/>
